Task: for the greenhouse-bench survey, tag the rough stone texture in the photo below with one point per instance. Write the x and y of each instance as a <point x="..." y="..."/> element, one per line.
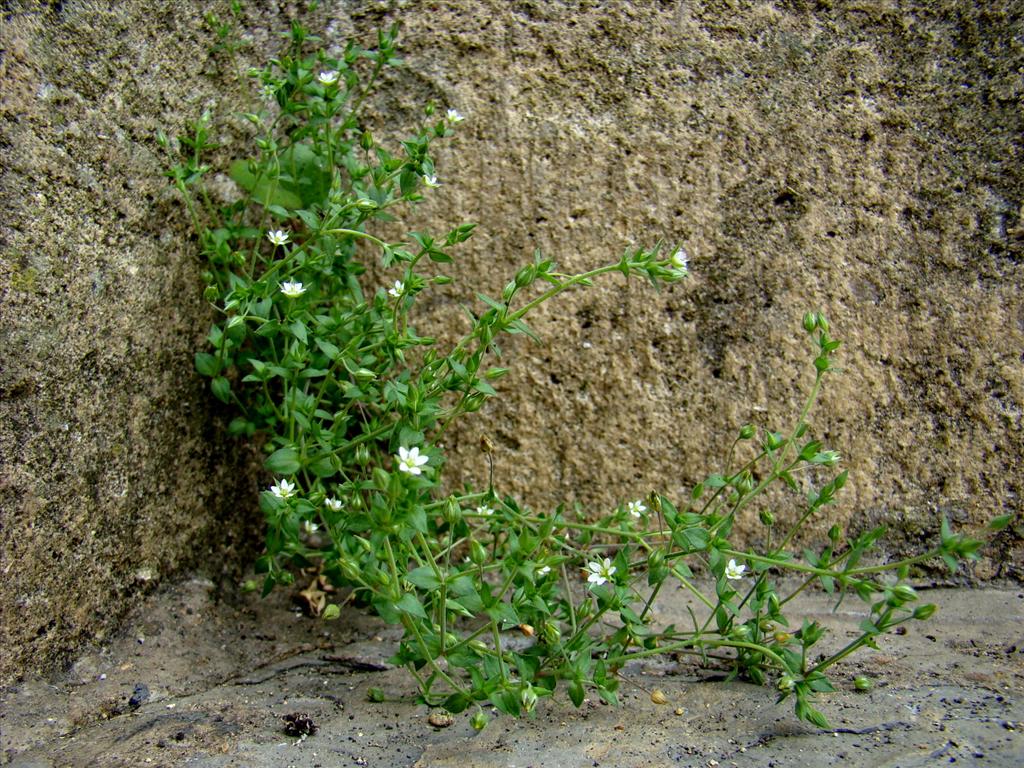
<point x="862" y="158"/>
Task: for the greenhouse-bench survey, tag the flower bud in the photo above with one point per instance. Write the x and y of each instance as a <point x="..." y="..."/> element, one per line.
<point x="350" y="568"/>
<point x="766" y="517"/>
<point x="923" y="612"/>
<point x="786" y="684"/>
<point x="331" y="612"/>
<point x="528" y="697"/>
<point x="834" y="533"/>
<point x="810" y="322"/>
<point x="747" y="431"/>
<point x="657" y="570"/>
<point x="822" y="322"/>
<point x="366" y="205"/>
<point x="474" y="402"/>
<point x="211" y="293"/>
<point x="364" y="375"/>
<point x="862" y="683"/>
<point x="903" y="593"/>
<point x="366" y="140"/>
<point x="552" y="635"/>
<point x="525" y="276"/>
<point x="451" y="511"/>
<point x="782" y="637"/>
<point x="740" y="633"/>
<point x="477" y="553"/>
<point x="509" y="292"/>
<point x="744" y="483"/>
<point x="478" y="721"/>
<point x="362" y="455"/>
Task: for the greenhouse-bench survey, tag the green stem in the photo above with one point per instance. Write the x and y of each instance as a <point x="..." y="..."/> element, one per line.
<point x="355" y="233"/>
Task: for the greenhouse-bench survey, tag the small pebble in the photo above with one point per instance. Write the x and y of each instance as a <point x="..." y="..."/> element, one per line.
<point x="440" y="719"/>
<point x="139" y="696"/>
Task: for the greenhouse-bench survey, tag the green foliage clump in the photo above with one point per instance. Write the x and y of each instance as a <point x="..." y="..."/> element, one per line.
<point x="327" y="371"/>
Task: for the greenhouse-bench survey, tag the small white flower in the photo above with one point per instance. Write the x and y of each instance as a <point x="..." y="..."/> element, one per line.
<point x="636" y="508"/>
<point x="333" y="504"/>
<point x="277" y="236"/>
<point x="309" y="527"/>
<point x="543" y="571"/>
<point x="483" y="509"/>
<point x="600" y="572"/>
<point x="679" y="258"/>
<point x="292" y="290"/>
<point x="283" y="489"/>
<point x="269" y="91"/>
<point x="410" y="460"/>
<point x="328" y="77"/>
<point x="431" y="181"/>
<point x="396" y="289"/>
<point x="734" y="571"/>
<point x="454" y="117"/>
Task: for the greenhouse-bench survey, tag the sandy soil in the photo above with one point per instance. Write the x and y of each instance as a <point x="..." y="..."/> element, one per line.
<point x="199" y="680"/>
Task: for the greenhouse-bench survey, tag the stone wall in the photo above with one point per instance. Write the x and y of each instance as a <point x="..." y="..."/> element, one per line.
<point x="860" y="158"/>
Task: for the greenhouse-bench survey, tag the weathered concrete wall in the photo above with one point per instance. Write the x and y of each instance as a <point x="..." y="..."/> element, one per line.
<point x="862" y="158"/>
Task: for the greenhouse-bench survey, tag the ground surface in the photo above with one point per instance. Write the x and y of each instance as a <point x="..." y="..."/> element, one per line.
<point x="221" y="675"/>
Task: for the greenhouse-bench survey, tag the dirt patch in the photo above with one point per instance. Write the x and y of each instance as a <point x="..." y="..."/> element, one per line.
<point x="200" y="681"/>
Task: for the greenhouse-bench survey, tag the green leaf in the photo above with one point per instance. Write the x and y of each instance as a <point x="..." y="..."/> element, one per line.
<point x="454" y="606"/>
<point x="264" y="191"/>
<point x="493" y="304"/>
<point x="386" y="610"/>
<point x="283" y="461"/>
<point x="310" y="219"/>
<point x="482" y="386"/>
<point x="327" y="348"/>
<point x="323" y="467"/>
<point x="999" y="523"/>
<point x="298" y="329"/>
<point x="207" y="364"/>
<point x="503" y="612"/>
<point x="691" y="538"/>
<point x="411" y="606"/>
<point x="221" y="389"/>
<point x="520" y="327"/>
<point x="576" y="693"/>
<point x="424" y="578"/>
<point x="457" y="702"/>
<point x="507" y="702"/>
